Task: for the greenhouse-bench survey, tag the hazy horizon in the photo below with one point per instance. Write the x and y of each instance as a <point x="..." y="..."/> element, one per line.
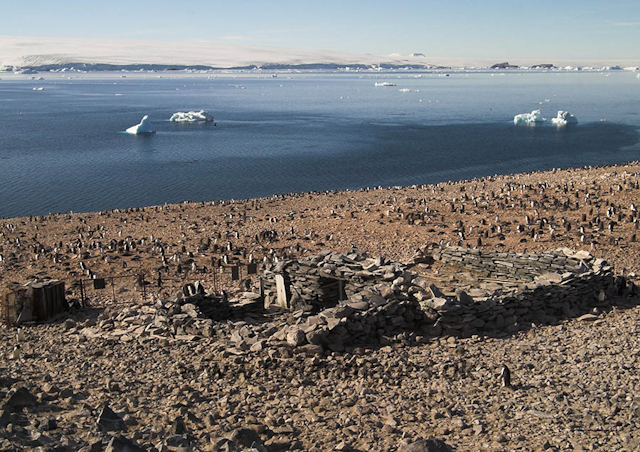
<point x="451" y="33"/>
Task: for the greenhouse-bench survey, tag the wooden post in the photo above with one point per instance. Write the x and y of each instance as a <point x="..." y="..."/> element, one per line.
<point x="113" y="289"/>
<point x="82" y="294"/>
<point x="281" y="290"/>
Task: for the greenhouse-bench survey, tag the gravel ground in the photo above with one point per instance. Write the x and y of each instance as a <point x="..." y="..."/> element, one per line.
<point x="574" y="383"/>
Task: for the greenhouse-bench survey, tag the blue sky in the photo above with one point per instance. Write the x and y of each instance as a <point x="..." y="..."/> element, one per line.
<point x="539" y="29"/>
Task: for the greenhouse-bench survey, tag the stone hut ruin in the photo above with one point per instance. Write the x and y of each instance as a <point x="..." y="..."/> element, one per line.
<point x="352" y="299"/>
<point x="332" y="301"/>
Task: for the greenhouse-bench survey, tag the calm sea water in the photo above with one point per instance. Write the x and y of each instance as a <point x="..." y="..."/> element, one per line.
<point x="61" y="148"/>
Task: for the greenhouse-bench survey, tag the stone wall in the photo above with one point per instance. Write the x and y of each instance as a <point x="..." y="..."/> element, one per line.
<point x="515" y="266"/>
<point x="386" y="302"/>
<point x="328" y="277"/>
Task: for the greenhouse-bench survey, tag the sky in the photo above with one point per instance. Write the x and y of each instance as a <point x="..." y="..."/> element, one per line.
<point x="539" y="30"/>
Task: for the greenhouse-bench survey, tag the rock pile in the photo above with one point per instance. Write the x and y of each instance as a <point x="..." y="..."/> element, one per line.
<point x="517" y="266"/>
<point x="328" y="277"/>
<point x="386" y="302"/>
<point x="376" y="302"/>
<point x="180" y="318"/>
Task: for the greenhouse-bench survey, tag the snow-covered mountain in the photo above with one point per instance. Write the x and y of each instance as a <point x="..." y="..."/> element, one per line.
<point x="20" y="52"/>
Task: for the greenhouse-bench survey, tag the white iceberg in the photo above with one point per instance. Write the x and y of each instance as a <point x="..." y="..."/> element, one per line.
<point x="192" y="116"/>
<point x="385" y="84"/>
<point x="145" y="127"/>
<point x="564" y="118"/>
<point x="532" y="118"/>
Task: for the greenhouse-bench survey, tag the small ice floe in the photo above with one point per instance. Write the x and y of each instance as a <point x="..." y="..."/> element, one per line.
<point x="39" y="88"/>
<point x="404" y="90"/>
<point x="144" y="128"/>
<point x="564" y="118"/>
<point x="533" y="118"/>
<point x="385" y="84"/>
<point x="192" y="116"/>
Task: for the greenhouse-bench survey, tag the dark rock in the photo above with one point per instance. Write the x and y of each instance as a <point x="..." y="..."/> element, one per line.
<point x="429" y="445"/>
<point x="245" y="437"/>
<point x="20" y="399"/>
<point x="110" y="421"/>
<point x="464" y="298"/>
<point x="48" y="424"/>
<point x="178" y="427"/>
<point x="95" y="446"/>
<point x="316" y="337"/>
<point x="437" y="293"/>
<point x="5" y="418"/>
<point x="504" y="65"/>
<point x="296" y="337"/>
<point x="121" y="444"/>
<point x="177" y="441"/>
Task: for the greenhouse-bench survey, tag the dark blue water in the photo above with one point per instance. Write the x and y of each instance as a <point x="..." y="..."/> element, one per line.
<point x="62" y="148"/>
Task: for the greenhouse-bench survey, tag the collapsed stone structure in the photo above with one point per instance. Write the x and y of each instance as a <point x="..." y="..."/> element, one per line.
<point x="355" y="300"/>
<point x="333" y="301"/>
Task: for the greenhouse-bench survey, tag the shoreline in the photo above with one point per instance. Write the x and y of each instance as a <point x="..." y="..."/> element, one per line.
<point x="211" y="394"/>
<point x="392" y="221"/>
<point x="490" y="178"/>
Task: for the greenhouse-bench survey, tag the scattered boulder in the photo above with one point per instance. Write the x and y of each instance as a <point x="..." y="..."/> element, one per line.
<point x="429" y="445"/>
<point x="247" y="438"/>
<point x="121" y="444"/>
<point x="21" y="398"/>
<point x="109" y="421"/>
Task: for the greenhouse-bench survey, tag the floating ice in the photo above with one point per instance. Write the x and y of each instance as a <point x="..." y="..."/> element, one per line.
<point x="192" y="116"/>
<point x="529" y="118"/>
<point x="564" y="118"/>
<point x="385" y="84"/>
<point x="145" y="127"/>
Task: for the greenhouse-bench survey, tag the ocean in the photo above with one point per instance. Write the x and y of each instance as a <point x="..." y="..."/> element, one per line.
<point x="62" y="148"/>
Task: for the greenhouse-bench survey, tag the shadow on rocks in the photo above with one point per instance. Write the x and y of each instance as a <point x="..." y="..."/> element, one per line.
<point x="428" y="445"/>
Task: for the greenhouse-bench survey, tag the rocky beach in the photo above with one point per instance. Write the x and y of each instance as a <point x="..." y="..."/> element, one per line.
<point x="176" y="350"/>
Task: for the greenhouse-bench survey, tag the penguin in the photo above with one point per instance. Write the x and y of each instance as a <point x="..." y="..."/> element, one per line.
<point x="505" y="376"/>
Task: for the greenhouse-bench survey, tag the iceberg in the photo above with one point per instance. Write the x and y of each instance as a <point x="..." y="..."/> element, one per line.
<point x="192" y="116"/>
<point x="144" y="128"/>
<point x="564" y="118"/>
<point x="385" y="84"/>
<point x="532" y="118"/>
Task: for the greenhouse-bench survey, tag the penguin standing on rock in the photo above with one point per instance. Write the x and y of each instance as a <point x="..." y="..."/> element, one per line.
<point x="505" y="376"/>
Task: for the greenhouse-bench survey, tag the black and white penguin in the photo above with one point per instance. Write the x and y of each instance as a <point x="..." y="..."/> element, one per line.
<point x="505" y="376"/>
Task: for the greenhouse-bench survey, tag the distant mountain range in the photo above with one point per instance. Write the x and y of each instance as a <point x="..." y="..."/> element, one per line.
<point x="109" y="54"/>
